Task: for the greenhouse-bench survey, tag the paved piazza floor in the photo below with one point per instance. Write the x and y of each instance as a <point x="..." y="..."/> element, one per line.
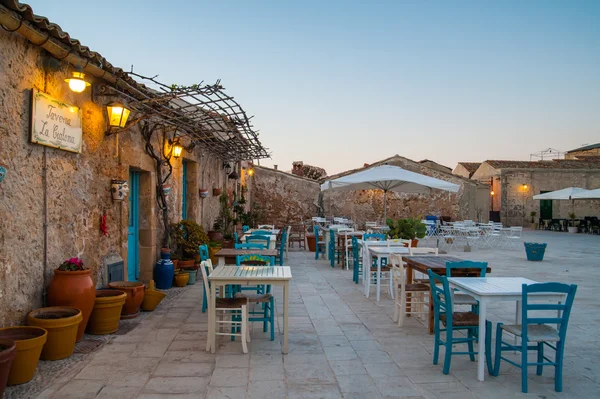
<point x="342" y="345"/>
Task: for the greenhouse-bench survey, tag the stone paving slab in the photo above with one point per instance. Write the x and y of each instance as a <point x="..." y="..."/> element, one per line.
<point x="342" y="345"/>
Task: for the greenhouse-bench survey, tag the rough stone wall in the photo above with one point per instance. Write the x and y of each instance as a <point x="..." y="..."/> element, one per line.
<point x="78" y="187"/>
<point x="518" y="203"/>
<point x="573" y="155"/>
<point x="286" y="198"/>
<point x="460" y="170"/>
<point x="283" y="198"/>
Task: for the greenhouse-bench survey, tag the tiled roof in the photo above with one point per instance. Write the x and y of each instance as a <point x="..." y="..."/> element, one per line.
<point x="55" y="31"/>
<point x="586" y="147"/>
<point x="471" y="167"/>
<point x="553" y="164"/>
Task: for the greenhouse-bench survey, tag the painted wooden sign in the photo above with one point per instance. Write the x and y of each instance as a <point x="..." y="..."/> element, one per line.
<point x="54" y="123"/>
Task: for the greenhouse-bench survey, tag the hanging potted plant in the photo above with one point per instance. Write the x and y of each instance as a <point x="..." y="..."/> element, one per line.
<point x="62" y="323"/>
<point x="72" y="286"/>
<point x="203" y="192"/>
<point x="407" y="229"/>
<point x="8" y="351"/>
<point x="217" y="192"/>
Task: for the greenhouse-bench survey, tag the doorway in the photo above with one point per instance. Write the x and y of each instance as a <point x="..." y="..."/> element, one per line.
<point x="133" y="230"/>
<point x="545" y="208"/>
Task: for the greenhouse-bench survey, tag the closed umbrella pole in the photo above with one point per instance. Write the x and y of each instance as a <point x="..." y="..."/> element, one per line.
<point x="384" y="206"/>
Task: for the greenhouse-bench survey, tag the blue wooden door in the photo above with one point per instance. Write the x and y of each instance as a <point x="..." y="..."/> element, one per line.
<point x="184" y="191"/>
<point x="133" y="230"/>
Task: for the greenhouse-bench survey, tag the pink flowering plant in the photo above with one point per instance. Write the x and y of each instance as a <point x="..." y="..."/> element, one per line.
<point x="71" y="265"/>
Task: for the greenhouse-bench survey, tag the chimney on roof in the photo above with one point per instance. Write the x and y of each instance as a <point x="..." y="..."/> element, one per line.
<point x="365" y="165"/>
<point x="297" y="168"/>
<point x="275" y="167"/>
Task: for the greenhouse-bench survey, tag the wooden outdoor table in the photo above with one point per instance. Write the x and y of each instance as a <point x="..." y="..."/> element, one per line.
<point x="250" y="275"/>
<point x="436" y="264"/>
<point x="232" y="253"/>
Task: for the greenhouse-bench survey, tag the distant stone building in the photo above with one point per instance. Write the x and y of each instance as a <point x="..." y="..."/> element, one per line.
<point x="584" y="152"/>
<point x="512" y="185"/>
<point x="288" y="198"/>
<point x="466" y="169"/>
<point x="435" y="165"/>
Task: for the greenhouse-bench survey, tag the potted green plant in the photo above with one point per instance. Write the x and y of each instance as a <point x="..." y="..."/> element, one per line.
<point x="572" y="228"/>
<point x="533" y="224"/>
<point x="407" y="229"/>
<point x="186" y="237"/>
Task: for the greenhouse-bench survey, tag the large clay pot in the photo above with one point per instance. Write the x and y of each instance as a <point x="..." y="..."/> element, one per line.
<point x="107" y="312"/>
<point x="62" y="323"/>
<point x="75" y="289"/>
<point x="29" y="342"/>
<point x="8" y="351"/>
<point x="152" y="298"/>
<point x="181" y="279"/>
<point x="135" y="296"/>
<point x="310" y="240"/>
<point x="186" y="264"/>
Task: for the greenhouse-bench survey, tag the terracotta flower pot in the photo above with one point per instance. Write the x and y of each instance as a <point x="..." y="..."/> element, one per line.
<point x="107" y="312"/>
<point x="62" y="323"/>
<point x="75" y="289"/>
<point x="152" y="298"/>
<point x="8" y="351"/>
<point x="135" y="296"/>
<point x="215" y="235"/>
<point x="29" y="342"/>
<point x="181" y="279"/>
<point x="186" y="264"/>
<point x="217" y="191"/>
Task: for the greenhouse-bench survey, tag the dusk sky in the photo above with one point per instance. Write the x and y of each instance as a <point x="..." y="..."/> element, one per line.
<point x="340" y="83"/>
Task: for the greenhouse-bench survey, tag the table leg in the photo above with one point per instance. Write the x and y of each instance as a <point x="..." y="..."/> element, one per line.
<point x="326" y="247"/>
<point x="409" y="280"/>
<point x="286" y="288"/>
<point x="481" y="340"/>
<point x="221" y="261"/>
<point x="212" y="315"/>
<point x="379" y="260"/>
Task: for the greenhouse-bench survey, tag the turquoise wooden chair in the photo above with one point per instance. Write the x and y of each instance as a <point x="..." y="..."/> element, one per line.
<point x="267" y="313"/>
<point x="318" y="243"/>
<point x="266" y="240"/>
<point x="357" y="261"/>
<point x="535" y="332"/>
<point x="448" y="321"/>
<point x="281" y="251"/>
<point x="478" y="269"/>
<point x="261" y="232"/>
<point x="245" y="228"/>
<point x="250" y="245"/>
<point x="204" y="255"/>
<point x="374" y="236"/>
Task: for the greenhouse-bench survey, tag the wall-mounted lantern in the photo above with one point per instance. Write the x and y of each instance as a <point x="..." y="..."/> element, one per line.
<point x="227" y="168"/>
<point x="251" y="171"/>
<point x="524" y="187"/>
<point x="177" y="148"/>
<point x="77" y="82"/>
<point x="117" y="115"/>
<point x="233" y="175"/>
<point x="492" y="193"/>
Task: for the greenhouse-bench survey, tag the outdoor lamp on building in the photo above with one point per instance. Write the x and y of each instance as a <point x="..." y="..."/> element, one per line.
<point x="117" y="115"/>
<point x="492" y="193"/>
<point x="524" y="187"/>
<point x="251" y="171"/>
<point x="177" y="148"/>
<point x="227" y="167"/>
<point x="77" y="82"/>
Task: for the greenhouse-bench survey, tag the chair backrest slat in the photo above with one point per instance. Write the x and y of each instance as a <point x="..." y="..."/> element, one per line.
<point x="466" y="267"/>
<point x="255" y="260"/>
<point x="259" y="238"/>
<point x="251" y="245"/>
<point x="203" y="267"/>
<point x="374" y="237"/>
<point x="203" y="252"/>
<point x="548" y="288"/>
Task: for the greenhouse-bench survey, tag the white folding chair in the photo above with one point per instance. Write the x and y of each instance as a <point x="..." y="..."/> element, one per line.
<point x="513" y="237"/>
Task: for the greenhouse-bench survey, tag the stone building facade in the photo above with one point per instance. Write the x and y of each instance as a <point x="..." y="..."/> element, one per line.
<point x="287" y="198"/>
<point x="592" y="150"/>
<point x="52" y="201"/>
<point x="514" y="183"/>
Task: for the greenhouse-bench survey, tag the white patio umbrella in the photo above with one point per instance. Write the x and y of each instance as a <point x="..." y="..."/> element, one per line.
<point x="589" y="194"/>
<point x="564" y="194"/>
<point x="389" y="178"/>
